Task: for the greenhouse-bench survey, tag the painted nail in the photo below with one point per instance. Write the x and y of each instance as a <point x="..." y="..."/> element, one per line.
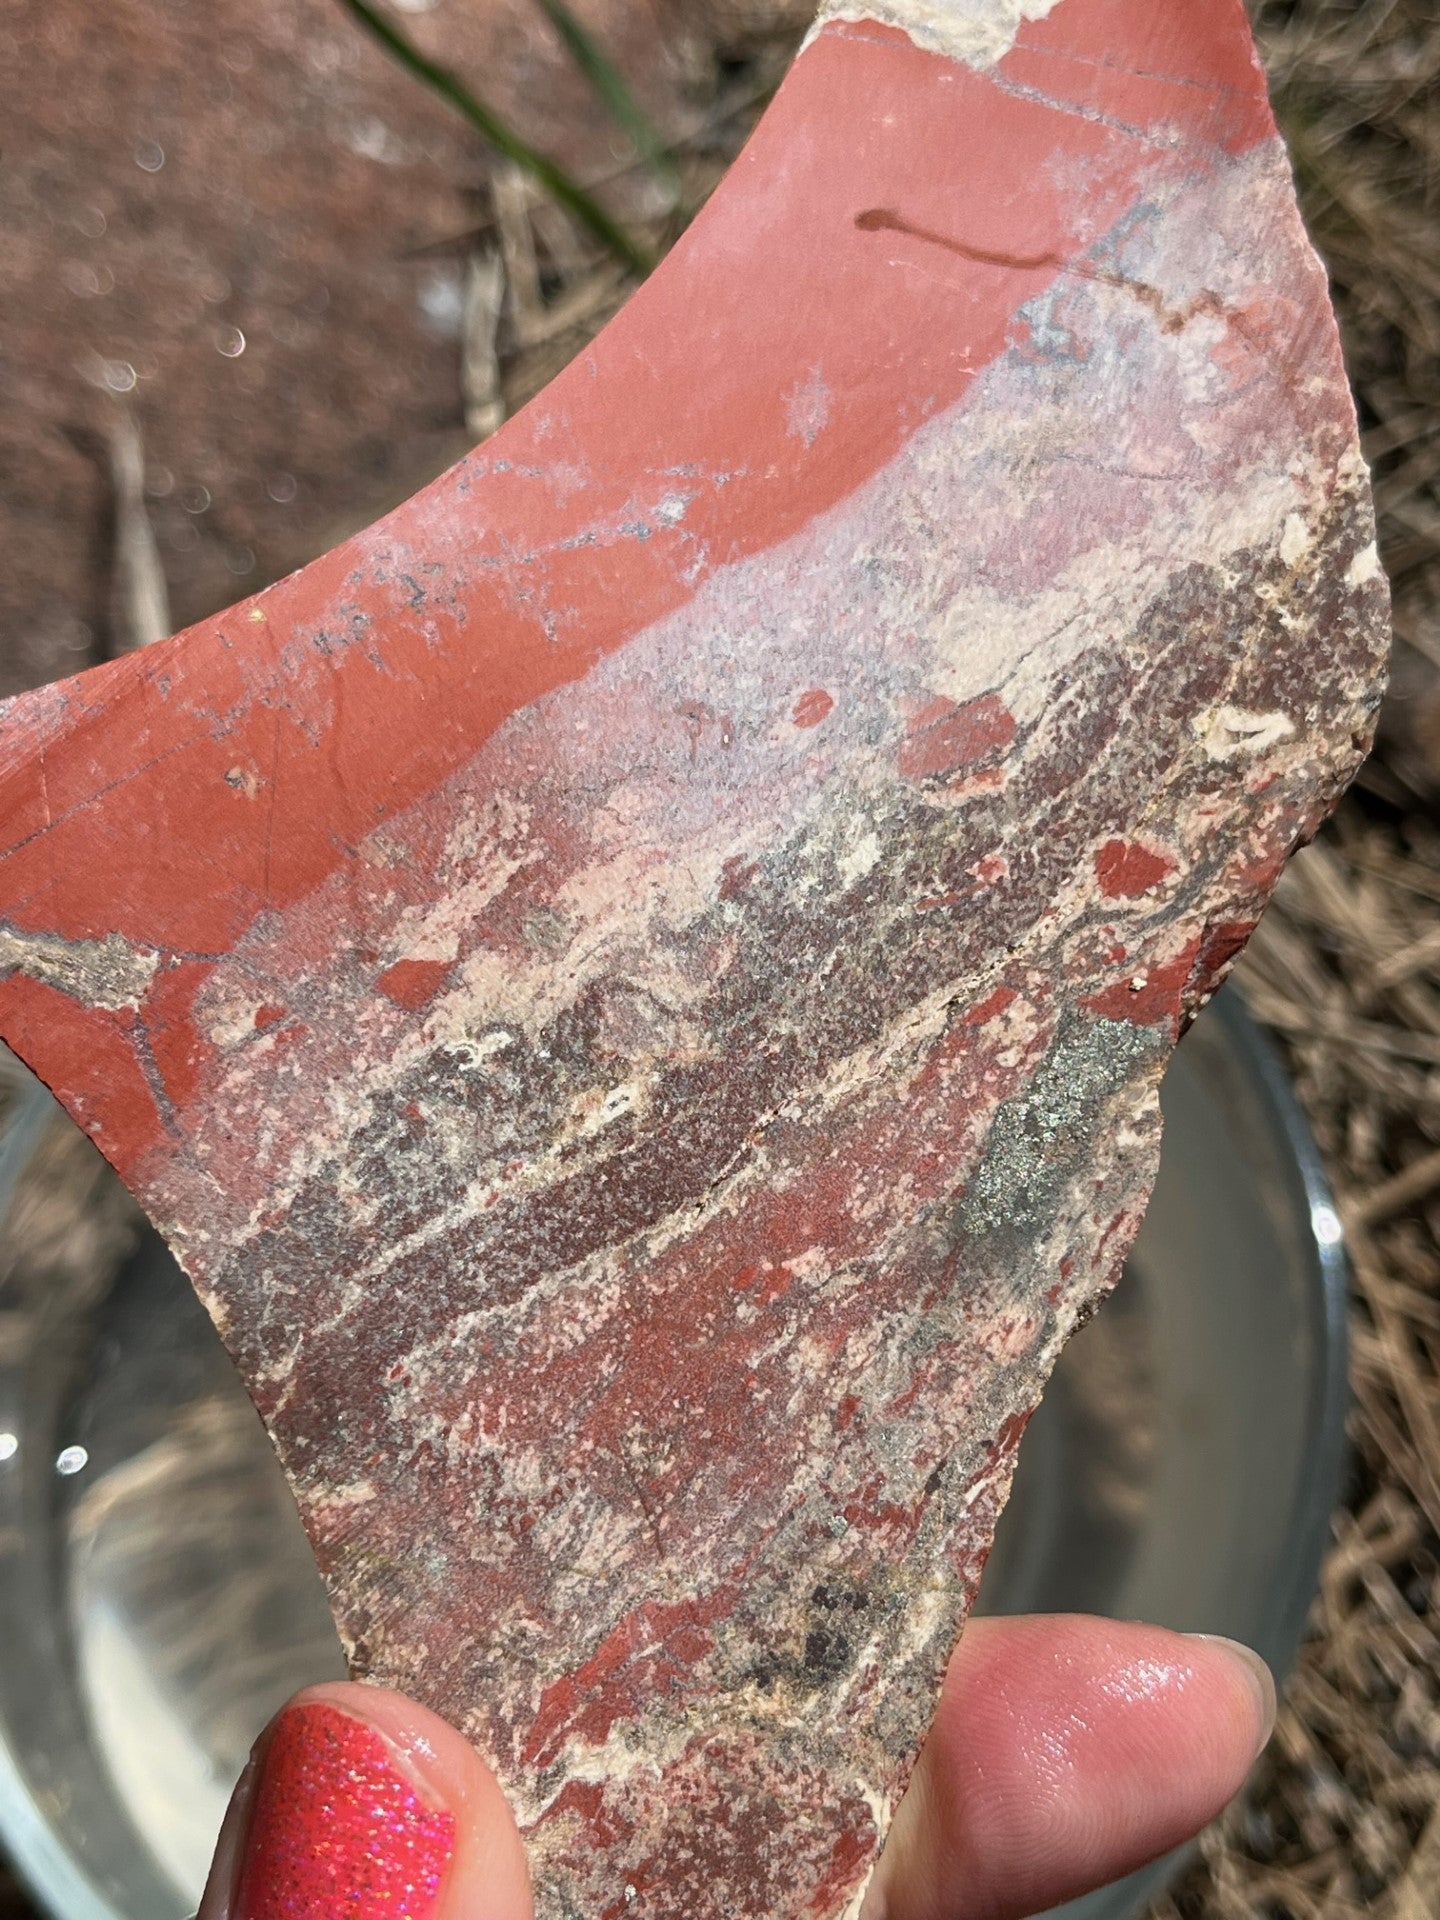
<point x="339" y="1830"/>
<point x="1259" y="1677"/>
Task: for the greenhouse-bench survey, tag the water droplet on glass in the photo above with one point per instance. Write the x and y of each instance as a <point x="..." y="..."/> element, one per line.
<point x="184" y="537"/>
<point x="71" y="1459"/>
<point x="281" y="488"/>
<point x="195" y="499"/>
<point x="149" y="156"/>
<point x="441" y="296"/>
<point x="9" y="1446"/>
<point x="373" y="140"/>
<point x="1326" y="1225"/>
<point x="80" y="279"/>
<point x="159" y="482"/>
<point x="231" y="342"/>
<point x="240" y="560"/>
<point x="119" y="376"/>
<point x="91" y="222"/>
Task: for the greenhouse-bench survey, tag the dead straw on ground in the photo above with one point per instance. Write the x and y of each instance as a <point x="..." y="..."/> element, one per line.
<point x="1344" y="1813"/>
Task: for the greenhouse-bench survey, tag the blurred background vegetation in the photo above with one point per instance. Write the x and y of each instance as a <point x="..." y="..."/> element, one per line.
<point x="270" y="268"/>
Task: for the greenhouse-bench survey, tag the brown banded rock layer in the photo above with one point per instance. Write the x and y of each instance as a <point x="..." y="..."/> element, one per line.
<point x="637" y="988"/>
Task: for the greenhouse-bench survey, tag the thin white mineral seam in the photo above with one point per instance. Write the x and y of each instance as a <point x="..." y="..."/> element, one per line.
<point x="979" y="32"/>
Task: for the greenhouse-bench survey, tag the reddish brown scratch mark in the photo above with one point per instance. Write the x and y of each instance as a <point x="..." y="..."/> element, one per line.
<point x="886" y="220"/>
<point x="1172" y="319"/>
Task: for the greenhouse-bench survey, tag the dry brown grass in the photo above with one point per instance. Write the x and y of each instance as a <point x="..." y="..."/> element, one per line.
<point x="1356" y="85"/>
<point x="1344" y="1816"/>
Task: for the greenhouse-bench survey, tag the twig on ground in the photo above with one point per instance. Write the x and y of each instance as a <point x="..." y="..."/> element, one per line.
<point x="139" y="599"/>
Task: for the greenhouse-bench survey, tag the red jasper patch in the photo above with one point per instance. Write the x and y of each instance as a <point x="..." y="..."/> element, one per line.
<point x="1153" y="995"/>
<point x="946" y="738"/>
<point x="1126" y="869"/>
<point x="267" y="1017"/>
<point x="735" y="876"/>
<point x="413" y="983"/>
<point x="1221" y="944"/>
<point x="767" y="1280"/>
<point x="989" y="1008"/>
<point x="812" y="707"/>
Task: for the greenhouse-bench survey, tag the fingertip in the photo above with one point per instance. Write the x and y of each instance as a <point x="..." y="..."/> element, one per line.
<point x="1250" y="1676"/>
<point x="1066" y="1752"/>
<point x="357" y="1799"/>
<point x="440" y="1761"/>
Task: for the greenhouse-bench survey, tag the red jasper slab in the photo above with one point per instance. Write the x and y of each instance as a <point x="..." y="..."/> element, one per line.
<point x="636" y="988"/>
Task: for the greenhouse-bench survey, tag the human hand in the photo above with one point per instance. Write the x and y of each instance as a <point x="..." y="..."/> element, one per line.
<point x="1065" y="1751"/>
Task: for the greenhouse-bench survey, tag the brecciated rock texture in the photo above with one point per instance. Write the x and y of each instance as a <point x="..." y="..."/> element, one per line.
<point x="637" y="988"/>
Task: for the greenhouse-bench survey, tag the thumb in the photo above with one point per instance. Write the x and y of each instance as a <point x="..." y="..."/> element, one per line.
<point x="357" y="1804"/>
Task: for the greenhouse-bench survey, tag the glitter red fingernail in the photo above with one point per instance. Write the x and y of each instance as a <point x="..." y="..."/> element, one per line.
<point x="338" y="1830"/>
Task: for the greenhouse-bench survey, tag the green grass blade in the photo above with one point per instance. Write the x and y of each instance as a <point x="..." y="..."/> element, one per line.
<point x="614" y="94"/>
<point x="502" y="137"/>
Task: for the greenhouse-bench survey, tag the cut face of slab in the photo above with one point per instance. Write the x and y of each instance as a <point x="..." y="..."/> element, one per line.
<point x="636" y="988"/>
